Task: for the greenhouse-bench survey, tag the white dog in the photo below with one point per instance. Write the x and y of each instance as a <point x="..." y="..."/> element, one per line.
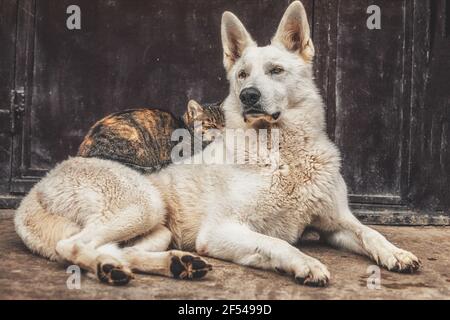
<point x="240" y="213"/>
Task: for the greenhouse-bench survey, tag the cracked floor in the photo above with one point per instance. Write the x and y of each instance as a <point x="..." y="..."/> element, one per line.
<point x="26" y="276"/>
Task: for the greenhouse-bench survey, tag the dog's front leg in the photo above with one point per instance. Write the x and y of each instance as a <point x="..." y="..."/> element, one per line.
<point x="356" y="237"/>
<point x="236" y="242"/>
<point x="343" y="230"/>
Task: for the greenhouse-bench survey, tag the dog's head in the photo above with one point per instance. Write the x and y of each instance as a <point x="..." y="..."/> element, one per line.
<point x="266" y="81"/>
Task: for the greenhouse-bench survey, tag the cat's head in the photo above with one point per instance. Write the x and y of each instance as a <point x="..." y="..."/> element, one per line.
<point x="209" y="116"/>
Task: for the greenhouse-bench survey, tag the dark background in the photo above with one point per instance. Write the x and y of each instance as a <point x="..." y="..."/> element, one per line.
<point x="387" y="91"/>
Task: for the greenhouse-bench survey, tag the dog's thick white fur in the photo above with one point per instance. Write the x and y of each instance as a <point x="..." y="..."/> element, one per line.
<point x="233" y="212"/>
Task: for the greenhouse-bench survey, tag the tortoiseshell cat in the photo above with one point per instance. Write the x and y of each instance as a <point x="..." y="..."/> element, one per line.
<point x="141" y="138"/>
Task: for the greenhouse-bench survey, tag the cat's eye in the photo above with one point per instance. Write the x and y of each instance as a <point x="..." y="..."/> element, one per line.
<point x="242" y="74"/>
<point x="276" y="70"/>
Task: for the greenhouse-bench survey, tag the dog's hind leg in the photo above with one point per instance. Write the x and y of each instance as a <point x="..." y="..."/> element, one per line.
<point x="84" y="250"/>
<point x="343" y="230"/>
<point x="41" y="230"/>
<point x="173" y="263"/>
<point x="114" y="265"/>
<point x="157" y="240"/>
<point x="148" y="254"/>
<point x="112" y="227"/>
<point x="236" y="242"/>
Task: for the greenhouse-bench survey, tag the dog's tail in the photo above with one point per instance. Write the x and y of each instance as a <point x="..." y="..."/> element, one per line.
<point x="39" y="229"/>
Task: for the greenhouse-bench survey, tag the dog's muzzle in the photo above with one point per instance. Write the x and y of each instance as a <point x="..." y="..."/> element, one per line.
<point x="252" y="109"/>
<point x="261" y="116"/>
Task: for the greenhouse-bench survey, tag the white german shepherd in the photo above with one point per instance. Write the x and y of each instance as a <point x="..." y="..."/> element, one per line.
<point x="84" y="208"/>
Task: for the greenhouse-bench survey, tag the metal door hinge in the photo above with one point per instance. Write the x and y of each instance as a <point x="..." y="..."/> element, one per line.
<point x="17" y="108"/>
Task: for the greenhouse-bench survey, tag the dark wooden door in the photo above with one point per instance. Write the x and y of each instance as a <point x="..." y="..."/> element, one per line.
<point x="430" y="109"/>
<point x="131" y="53"/>
<point x="367" y="91"/>
<point x="8" y="22"/>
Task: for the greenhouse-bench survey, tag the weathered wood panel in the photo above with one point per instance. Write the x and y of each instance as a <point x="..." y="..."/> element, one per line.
<point x="430" y="172"/>
<point x="371" y="102"/>
<point x="386" y="90"/>
<point x="128" y="54"/>
<point x="8" y="15"/>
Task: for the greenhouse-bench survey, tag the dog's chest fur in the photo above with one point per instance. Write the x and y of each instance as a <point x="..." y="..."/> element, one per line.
<point x="278" y="201"/>
<point x="300" y="187"/>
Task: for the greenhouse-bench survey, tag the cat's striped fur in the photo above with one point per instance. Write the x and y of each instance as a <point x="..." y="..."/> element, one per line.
<point x="141" y="138"/>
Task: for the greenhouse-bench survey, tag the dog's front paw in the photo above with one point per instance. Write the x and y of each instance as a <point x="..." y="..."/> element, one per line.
<point x="403" y="261"/>
<point x="312" y="273"/>
<point x="187" y="266"/>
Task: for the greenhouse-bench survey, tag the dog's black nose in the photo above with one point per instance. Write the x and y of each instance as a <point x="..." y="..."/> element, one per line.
<point x="250" y="96"/>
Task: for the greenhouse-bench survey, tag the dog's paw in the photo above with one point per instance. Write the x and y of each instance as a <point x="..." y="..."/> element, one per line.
<point x="113" y="273"/>
<point x="313" y="273"/>
<point x="184" y="265"/>
<point x="403" y="261"/>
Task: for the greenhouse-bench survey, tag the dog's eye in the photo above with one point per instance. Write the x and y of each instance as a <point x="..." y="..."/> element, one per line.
<point x="276" y="70"/>
<point x="242" y="74"/>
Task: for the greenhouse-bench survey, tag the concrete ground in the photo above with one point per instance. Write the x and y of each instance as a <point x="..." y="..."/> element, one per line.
<point x="26" y="276"/>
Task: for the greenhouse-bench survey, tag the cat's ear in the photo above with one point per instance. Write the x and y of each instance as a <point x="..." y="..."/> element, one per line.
<point x="194" y="108"/>
<point x="294" y="33"/>
<point x="235" y="39"/>
<point x="193" y="112"/>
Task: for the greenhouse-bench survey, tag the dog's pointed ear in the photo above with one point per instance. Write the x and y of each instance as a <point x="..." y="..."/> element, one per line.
<point x="235" y="39"/>
<point x="294" y="33"/>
